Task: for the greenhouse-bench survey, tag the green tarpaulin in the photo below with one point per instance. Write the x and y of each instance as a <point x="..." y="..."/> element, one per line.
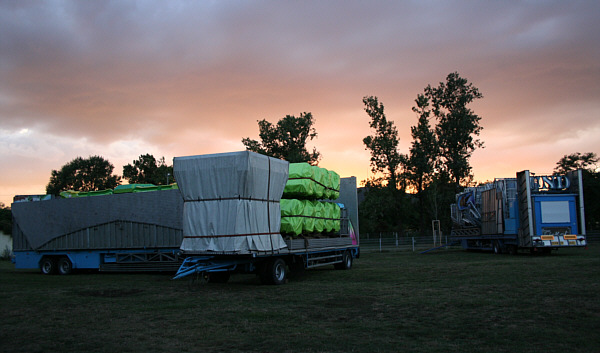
<point x="311" y="182"/>
<point x="309" y="217"/>
<point x="121" y="189"/>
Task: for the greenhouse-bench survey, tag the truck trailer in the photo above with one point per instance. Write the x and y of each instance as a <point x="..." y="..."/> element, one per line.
<point x="530" y="212"/>
<point x="223" y="217"/>
<point x="233" y="216"/>
<point x="137" y="231"/>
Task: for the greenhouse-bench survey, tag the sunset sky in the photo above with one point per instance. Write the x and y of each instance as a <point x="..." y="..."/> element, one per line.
<point x="173" y="78"/>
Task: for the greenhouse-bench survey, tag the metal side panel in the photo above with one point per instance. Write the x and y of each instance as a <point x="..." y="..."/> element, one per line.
<point x="118" y="235"/>
<point x="348" y="197"/>
<point x="526" y="219"/>
<point x="297" y="244"/>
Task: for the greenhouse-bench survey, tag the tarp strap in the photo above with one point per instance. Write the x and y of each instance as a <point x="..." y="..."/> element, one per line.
<point x="268" y="208"/>
<point x="316" y="182"/>
<point x="302" y="216"/>
<point x="228" y="235"/>
<point x="234" y="198"/>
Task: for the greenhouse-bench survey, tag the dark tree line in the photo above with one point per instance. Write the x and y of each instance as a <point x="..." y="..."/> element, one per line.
<point x="96" y="173"/>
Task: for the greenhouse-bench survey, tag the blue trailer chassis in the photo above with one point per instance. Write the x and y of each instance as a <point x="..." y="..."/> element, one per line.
<point x="272" y="268"/>
<point x="64" y="262"/>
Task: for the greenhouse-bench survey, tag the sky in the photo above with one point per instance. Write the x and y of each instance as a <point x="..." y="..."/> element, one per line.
<point x="120" y="79"/>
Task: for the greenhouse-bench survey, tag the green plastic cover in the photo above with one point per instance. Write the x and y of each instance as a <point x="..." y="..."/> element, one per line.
<point x="146" y="188"/>
<point x="130" y="188"/>
<point x="95" y="193"/>
<point x="169" y="187"/>
<point x="69" y="194"/>
<point x="311" y="182"/>
<point x="309" y="217"/>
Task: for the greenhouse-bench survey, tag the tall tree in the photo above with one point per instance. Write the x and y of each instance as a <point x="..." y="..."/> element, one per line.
<point x="90" y="174"/>
<point x="383" y="144"/>
<point x="287" y="139"/>
<point x="424" y="148"/>
<point x="423" y="155"/>
<point x="576" y="161"/>
<point x="148" y="170"/>
<point x="457" y="125"/>
<point x="385" y="204"/>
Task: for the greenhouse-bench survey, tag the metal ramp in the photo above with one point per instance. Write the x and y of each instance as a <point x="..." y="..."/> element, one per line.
<point x="199" y="264"/>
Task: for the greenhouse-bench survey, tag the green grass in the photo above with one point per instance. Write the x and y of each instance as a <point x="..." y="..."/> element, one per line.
<point x="446" y="301"/>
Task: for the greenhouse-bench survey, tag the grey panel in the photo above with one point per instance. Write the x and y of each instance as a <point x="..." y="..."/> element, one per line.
<point x="348" y="196"/>
<point x="118" y="235"/>
<point x="98" y="221"/>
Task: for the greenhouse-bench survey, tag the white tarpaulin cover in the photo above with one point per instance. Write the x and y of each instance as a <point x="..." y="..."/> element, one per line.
<point x="231" y="201"/>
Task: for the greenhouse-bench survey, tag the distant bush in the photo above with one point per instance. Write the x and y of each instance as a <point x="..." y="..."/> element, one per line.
<point x="6" y="253"/>
<point x="5" y="219"/>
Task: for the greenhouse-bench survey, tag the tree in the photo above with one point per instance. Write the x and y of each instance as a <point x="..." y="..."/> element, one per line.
<point x="457" y="125"/>
<point x="423" y="155"/>
<point x="576" y="161"/>
<point x="148" y="170"/>
<point x="93" y="173"/>
<point x="385" y="205"/>
<point x="5" y="220"/>
<point x="383" y="145"/>
<point x="286" y="140"/>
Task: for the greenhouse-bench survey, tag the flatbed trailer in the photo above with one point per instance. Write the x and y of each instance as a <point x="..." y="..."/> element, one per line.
<point x="299" y="254"/>
<point x="530" y="213"/>
<point x="246" y="236"/>
<point x="272" y="268"/>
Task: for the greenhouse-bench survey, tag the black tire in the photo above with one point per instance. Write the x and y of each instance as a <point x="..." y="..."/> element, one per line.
<point x="346" y="263"/>
<point x="512" y="249"/>
<point x="64" y="267"/>
<point x="48" y="266"/>
<point x="273" y="272"/>
<point x="219" y="277"/>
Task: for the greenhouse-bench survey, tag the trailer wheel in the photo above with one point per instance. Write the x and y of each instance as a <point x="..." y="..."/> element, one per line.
<point x="512" y="249"/>
<point x="346" y="263"/>
<point x="48" y="266"/>
<point x="273" y="272"/>
<point x="65" y="267"/>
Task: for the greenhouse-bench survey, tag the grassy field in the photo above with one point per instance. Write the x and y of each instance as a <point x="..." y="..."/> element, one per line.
<point x="446" y="301"/>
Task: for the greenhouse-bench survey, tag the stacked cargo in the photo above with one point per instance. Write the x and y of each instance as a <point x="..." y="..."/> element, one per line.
<point x="231" y="202"/>
<point x="302" y="212"/>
